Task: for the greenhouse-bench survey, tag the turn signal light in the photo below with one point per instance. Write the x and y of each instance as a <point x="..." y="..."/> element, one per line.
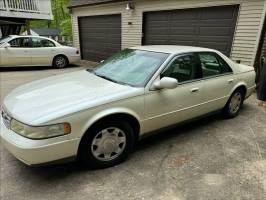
<point x="67" y="128"/>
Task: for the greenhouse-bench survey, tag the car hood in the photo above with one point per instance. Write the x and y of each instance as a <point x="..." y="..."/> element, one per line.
<point x="54" y="97"/>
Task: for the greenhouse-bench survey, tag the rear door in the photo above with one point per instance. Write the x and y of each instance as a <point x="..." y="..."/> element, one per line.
<point x="218" y="80"/>
<point x="43" y="51"/>
<point x="18" y="54"/>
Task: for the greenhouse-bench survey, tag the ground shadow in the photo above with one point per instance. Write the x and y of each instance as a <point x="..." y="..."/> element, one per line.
<point x="37" y="68"/>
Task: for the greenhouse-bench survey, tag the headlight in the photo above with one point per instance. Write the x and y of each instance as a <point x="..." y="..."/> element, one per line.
<point x="41" y="132"/>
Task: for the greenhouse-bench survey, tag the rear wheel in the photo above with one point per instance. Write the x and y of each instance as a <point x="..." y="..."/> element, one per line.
<point x="234" y="104"/>
<point x="60" y="62"/>
<point x="106" y="144"/>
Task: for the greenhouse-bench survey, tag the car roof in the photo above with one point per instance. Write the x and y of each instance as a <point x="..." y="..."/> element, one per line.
<point x="18" y="36"/>
<point x="172" y="49"/>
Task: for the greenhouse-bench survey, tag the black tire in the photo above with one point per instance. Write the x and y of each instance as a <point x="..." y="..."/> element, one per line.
<point x="86" y="148"/>
<point x="60" y="62"/>
<point x="228" y="111"/>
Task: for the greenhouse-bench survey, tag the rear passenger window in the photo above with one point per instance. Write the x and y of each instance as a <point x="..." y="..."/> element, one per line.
<point x="39" y="42"/>
<point x="213" y="65"/>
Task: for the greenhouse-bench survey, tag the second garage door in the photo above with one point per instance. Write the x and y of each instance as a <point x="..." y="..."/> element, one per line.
<point x="211" y="27"/>
<point x="100" y="36"/>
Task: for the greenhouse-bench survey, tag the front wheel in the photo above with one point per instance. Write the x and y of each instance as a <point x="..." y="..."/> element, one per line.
<point x="106" y="144"/>
<point x="234" y="104"/>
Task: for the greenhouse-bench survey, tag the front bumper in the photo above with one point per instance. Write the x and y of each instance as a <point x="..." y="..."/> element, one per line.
<point x="35" y="152"/>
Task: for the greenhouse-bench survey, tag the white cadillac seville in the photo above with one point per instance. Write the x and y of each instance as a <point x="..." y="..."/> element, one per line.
<point x="97" y="116"/>
<point x="17" y="51"/>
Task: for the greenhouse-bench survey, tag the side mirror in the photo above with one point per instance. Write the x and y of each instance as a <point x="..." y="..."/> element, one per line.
<point x="6" y="45"/>
<point x="166" y="83"/>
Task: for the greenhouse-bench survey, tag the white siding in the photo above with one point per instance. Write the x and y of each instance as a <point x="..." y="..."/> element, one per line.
<point x="249" y="25"/>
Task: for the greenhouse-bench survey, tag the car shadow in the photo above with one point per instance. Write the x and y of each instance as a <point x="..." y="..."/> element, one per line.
<point x="35" y="68"/>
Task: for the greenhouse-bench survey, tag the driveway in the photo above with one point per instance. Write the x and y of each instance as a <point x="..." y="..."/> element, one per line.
<point x="205" y="160"/>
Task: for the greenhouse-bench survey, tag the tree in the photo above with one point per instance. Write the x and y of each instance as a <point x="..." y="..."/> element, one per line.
<point x="62" y="18"/>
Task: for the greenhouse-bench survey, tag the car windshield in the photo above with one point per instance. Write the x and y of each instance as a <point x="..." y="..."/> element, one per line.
<point x="4" y="39"/>
<point x="130" y="67"/>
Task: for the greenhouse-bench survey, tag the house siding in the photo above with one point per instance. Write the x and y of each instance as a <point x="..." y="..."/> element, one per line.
<point x="247" y="33"/>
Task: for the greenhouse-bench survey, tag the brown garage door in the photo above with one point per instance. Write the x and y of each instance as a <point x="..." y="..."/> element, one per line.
<point x="211" y="27"/>
<point x="100" y="36"/>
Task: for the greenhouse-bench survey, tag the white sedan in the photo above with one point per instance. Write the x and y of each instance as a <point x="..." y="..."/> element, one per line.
<point x="97" y="116"/>
<point x="16" y="51"/>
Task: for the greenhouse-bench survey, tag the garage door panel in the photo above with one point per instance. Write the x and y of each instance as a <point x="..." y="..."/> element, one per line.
<point x="211" y="27"/>
<point x="185" y="43"/>
<point x="217" y="23"/>
<point x="219" y="46"/>
<point x="218" y="12"/>
<point x="218" y="31"/>
<point x="183" y="30"/>
<point x="100" y="36"/>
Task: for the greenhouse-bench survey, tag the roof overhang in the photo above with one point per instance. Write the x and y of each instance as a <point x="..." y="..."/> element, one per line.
<point x="75" y="4"/>
<point x="11" y="21"/>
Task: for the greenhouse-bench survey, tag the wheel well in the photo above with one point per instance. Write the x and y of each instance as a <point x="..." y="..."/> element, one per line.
<point x="133" y="122"/>
<point x="61" y="55"/>
<point x="243" y="88"/>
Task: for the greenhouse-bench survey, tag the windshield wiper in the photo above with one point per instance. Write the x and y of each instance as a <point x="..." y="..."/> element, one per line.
<point x="109" y="79"/>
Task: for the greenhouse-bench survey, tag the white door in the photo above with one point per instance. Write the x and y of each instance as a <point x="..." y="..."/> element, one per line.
<point x="218" y="80"/>
<point x="43" y="51"/>
<point x="170" y="106"/>
<point x="18" y="54"/>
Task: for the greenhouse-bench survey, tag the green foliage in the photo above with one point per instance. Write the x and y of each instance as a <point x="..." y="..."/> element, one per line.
<point x="62" y="19"/>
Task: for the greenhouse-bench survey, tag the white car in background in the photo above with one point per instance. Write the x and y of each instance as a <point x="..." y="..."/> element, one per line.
<point x="16" y="51"/>
<point x="98" y="115"/>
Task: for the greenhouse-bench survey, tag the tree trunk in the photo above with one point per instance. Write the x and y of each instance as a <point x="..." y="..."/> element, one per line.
<point x="28" y="27"/>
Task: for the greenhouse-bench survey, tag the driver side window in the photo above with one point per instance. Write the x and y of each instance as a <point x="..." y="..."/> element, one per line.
<point x="184" y="68"/>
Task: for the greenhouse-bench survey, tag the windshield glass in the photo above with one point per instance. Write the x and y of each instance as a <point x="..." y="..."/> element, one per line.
<point x="130" y="67"/>
<point x="4" y="39"/>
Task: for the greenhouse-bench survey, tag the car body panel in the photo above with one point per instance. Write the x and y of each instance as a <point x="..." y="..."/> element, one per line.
<point x="40" y="101"/>
<point x="81" y="99"/>
<point x="15" y="57"/>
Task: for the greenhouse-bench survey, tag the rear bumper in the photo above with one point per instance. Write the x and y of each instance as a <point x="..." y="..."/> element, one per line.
<point x="74" y="59"/>
<point x="37" y="152"/>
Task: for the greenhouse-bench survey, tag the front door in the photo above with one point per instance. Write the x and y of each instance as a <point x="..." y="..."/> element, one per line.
<point x="18" y="54"/>
<point x="169" y="106"/>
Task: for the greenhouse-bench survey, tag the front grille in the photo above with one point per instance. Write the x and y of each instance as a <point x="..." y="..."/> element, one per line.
<point x="6" y="119"/>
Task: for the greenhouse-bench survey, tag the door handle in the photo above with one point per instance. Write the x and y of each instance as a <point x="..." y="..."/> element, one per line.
<point x="194" y="90"/>
<point x="230" y="80"/>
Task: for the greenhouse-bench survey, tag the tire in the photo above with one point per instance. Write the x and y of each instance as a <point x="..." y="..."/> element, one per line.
<point x="106" y="144"/>
<point x="60" y="62"/>
<point x="234" y="104"/>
